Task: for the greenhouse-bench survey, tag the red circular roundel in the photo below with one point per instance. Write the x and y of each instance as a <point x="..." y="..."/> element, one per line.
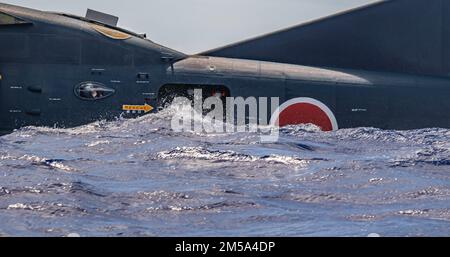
<point x="305" y="111"/>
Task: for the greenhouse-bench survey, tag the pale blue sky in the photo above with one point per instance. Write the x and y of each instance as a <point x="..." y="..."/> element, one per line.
<point x="193" y="26"/>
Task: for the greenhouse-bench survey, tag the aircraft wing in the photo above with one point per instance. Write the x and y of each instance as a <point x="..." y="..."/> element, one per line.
<point x="407" y="36"/>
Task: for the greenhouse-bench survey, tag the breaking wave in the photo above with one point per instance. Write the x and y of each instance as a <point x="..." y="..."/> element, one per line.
<point x="138" y="177"/>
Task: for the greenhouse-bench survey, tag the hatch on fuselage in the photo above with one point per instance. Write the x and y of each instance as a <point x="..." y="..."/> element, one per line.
<point x="102" y="17"/>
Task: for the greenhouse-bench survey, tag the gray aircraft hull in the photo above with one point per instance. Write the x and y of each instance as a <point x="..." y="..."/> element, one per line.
<point x="65" y="71"/>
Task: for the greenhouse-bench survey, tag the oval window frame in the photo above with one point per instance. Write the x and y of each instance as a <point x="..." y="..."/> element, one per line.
<point x="77" y="91"/>
<point x="111" y="33"/>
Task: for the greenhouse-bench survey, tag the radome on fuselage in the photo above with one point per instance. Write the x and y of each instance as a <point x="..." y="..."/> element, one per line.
<point x="63" y="70"/>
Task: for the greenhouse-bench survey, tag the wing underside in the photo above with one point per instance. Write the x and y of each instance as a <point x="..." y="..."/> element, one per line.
<point x="407" y="36"/>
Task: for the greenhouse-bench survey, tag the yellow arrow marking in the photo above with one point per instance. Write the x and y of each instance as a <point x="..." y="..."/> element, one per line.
<point x="140" y="108"/>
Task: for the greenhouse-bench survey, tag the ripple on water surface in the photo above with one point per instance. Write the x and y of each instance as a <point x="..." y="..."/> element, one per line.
<point x="139" y="178"/>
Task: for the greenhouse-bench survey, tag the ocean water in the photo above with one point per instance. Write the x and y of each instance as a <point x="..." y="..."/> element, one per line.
<point x="139" y="178"/>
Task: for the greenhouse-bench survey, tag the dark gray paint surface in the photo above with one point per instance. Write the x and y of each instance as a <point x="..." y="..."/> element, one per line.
<point x="406" y="36"/>
<point x="380" y="60"/>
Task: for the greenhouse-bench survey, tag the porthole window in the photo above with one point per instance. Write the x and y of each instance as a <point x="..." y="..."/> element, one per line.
<point x="6" y="19"/>
<point x="93" y="91"/>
